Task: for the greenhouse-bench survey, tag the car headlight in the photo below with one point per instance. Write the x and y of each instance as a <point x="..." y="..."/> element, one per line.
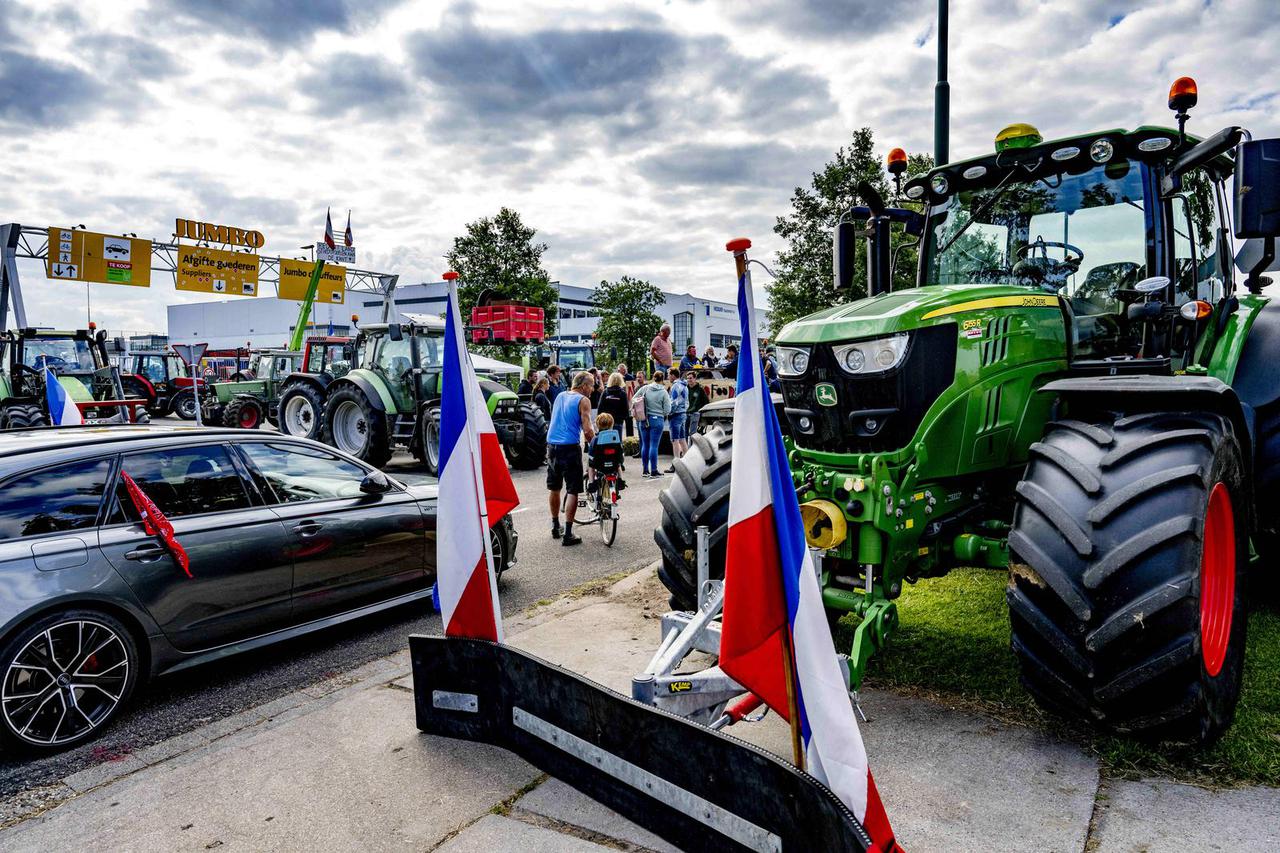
<point x="873" y="356"/>
<point x="792" y="361"/>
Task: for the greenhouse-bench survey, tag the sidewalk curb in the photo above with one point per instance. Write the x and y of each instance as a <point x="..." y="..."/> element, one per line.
<point x="379" y="672"/>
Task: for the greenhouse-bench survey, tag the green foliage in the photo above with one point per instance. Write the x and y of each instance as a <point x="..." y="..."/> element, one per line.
<point x="627" y="319"/>
<point x="805" y="283"/>
<point x="499" y="254"/>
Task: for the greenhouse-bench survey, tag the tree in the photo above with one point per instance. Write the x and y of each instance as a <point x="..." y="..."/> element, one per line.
<point x="805" y="282"/>
<point x="499" y="255"/>
<point x="627" y="319"/>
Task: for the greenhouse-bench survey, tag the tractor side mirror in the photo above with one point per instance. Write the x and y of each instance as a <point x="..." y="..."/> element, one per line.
<point x="375" y="483"/>
<point x="844" y="241"/>
<point x="1257" y="189"/>
<point x="395" y="332"/>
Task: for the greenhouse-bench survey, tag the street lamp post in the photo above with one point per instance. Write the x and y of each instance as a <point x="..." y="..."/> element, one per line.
<point x="941" y="93"/>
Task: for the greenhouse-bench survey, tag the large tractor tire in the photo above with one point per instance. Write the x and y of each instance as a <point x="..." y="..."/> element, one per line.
<point x="355" y="427"/>
<point x="1126" y="583"/>
<point x="243" y="413"/>
<point x="531" y="452"/>
<point x="22" y="417"/>
<point x="135" y="389"/>
<point x="427" y="451"/>
<point x="301" y="410"/>
<point x="698" y="496"/>
<point x="184" y="405"/>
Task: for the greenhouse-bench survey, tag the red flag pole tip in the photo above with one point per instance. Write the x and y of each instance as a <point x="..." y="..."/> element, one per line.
<point x="450" y="276"/>
<point x="737" y="245"/>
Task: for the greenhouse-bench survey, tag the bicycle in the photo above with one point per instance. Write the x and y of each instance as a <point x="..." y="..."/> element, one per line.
<point x="601" y="504"/>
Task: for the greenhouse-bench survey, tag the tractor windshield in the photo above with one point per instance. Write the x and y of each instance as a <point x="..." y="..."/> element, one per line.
<point x="431" y="349"/>
<point x="1081" y="235"/>
<point x="61" y="354"/>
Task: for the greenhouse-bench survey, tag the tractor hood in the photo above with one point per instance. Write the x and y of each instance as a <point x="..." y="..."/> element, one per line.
<point x="908" y="309"/>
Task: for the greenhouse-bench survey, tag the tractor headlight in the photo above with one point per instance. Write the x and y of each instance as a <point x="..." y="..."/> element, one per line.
<point x="873" y="356"/>
<point x="792" y="361"/>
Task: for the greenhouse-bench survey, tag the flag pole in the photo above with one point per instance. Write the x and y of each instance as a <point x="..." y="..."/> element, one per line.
<point x="739" y="248"/>
<point x="473" y="442"/>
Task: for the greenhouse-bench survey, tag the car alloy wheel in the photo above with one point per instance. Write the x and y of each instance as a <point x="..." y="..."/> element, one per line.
<point x="65" y="682"/>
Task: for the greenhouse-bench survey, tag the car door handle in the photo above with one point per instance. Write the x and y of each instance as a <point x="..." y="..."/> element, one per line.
<point x="146" y="554"/>
<point x="307" y="528"/>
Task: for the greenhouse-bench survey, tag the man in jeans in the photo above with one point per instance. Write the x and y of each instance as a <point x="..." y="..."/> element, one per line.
<point x="660" y="350"/>
<point x="570" y="423"/>
<point x="679" y="412"/>
<point x="657" y="405"/>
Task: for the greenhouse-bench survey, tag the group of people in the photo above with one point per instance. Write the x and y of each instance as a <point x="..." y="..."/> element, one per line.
<point x="662" y="356"/>
<point x="589" y="404"/>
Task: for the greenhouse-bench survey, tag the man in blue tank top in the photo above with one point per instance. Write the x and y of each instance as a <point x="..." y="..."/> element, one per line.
<point x="570" y="423"/>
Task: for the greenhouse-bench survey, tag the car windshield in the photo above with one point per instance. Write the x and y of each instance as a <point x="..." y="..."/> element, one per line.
<point x="1081" y="235"/>
<point x="57" y="353"/>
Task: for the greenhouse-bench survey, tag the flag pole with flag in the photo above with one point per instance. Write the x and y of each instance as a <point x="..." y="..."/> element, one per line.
<point x="62" y="409"/>
<point x="476" y="491"/>
<point x="775" y="640"/>
<point x="328" y="230"/>
<point x="346" y="235"/>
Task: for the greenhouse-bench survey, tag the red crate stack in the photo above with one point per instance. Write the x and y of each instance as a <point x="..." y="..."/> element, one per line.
<point x="508" y="323"/>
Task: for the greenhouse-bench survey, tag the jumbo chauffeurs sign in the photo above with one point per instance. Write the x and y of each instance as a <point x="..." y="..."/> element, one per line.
<point x="218" y="271"/>
<point x="295" y="276"/>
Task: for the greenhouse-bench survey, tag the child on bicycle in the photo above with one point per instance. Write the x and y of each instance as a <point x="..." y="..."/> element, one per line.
<point x="604" y="453"/>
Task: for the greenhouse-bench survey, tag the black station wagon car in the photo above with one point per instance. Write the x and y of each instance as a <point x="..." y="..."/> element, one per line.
<point x="283" y="536"/>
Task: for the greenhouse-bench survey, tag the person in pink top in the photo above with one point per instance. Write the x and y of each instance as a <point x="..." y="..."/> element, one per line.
<point x="660" y="350"/>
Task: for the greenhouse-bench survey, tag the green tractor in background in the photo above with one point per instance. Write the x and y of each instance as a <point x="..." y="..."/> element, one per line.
<point x="391" y="397"/>
<point x="1083" y="389"/>
<point x="254" y="396"/>
<point x="80" y="361"/>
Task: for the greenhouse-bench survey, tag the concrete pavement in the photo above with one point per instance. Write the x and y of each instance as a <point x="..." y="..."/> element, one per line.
<point x="340" y="766"/>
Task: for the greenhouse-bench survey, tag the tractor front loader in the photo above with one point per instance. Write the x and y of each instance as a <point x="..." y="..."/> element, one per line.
<point x="1080" y="390"/>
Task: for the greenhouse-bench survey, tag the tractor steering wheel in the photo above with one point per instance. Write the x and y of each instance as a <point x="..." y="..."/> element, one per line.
<point x="1044" y="270"/>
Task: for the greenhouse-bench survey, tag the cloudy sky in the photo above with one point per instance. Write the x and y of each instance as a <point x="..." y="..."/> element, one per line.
<point x="635" y="136"/>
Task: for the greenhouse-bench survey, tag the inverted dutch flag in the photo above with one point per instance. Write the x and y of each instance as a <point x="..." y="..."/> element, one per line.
<point x="328" y="230"/>
<point x="771" y="593"/>
<point x="346" y="235"/>
<point x="475" y="493"/>
<point x="62" y="411"/>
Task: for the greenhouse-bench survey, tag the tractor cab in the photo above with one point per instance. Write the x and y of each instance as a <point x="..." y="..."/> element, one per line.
<point x="1105" y="223"/>
<point x="327" y="355"/>
<point x="77" y="358"/>
<point x="408" y="355"/>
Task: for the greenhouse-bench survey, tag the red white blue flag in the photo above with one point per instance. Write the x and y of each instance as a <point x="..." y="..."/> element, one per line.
<point x="771" y="594"/>
<point x="328" y="230"/>
<point x="475" y="493"/>
<point x="346" y="235"/>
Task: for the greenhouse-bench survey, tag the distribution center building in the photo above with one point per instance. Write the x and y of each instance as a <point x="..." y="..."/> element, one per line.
<point x="266" y="322"/>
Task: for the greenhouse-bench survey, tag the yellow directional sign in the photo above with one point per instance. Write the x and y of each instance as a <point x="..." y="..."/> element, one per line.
<point x="77" y="255"/>
<point x="296" y="275"/>
<point x="217" y="271"/>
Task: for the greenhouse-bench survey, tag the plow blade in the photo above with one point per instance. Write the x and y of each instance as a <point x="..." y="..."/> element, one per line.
<point x="696" y="788"/>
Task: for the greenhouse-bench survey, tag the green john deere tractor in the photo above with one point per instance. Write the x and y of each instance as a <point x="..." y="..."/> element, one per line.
<point x="80" y="361"/>
<point x="254" y="395"/>
<point x="392" y="398"/>
<point x="1081" y="389"/>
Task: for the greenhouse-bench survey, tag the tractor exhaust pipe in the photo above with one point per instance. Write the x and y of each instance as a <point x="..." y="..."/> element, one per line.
<point x="879" y="252"/>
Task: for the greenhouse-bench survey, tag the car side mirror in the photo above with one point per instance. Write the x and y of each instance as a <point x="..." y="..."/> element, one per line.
<point x="1257" y="189"/>
<point x="375" y="483"/>
<point x="844" y="241"/>
<point x="395" y="332"/>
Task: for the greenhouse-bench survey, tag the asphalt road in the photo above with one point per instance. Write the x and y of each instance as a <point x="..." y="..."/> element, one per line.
<point x="179" y="703"/>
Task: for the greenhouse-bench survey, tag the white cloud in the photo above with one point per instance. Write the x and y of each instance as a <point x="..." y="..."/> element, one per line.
<point x="636" y="137"/>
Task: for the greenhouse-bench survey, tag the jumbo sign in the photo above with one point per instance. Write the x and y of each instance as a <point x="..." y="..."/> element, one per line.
<point x="225" y="234"/>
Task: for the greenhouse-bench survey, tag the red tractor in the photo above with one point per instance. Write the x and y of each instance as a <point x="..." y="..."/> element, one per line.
<point x="302" y="394"/>
<point x="161" y="379"/>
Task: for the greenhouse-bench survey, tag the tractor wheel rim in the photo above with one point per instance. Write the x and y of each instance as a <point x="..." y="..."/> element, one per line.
<point x="65" y="682"/>
<point x="432" y="442"/>
<point x="1217" y="579"/>
<point x="187" y="407"/>
<point x="349" y="428"/>
<point x="248" y="417"/>
<point x="298" y="417"/>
